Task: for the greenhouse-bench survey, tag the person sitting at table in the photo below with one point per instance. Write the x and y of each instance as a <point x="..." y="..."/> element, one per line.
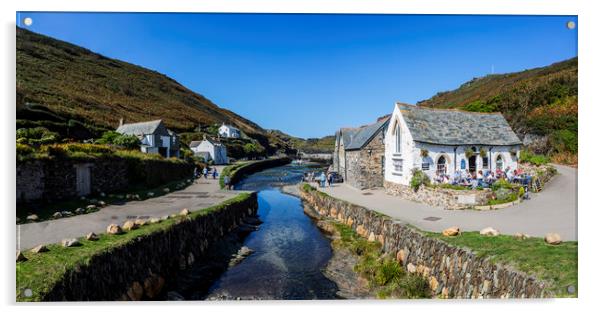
<point x="480" y="177"/>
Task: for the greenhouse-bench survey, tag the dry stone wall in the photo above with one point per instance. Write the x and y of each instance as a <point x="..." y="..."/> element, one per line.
<point x="452" y="272"/>
<point x="141" y="268"/>
<point x="365" y="166"/>
<point x="446" y="198"/>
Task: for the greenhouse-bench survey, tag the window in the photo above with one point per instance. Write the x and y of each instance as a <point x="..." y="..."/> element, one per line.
<point x="426" y="165"/>
<point x="397" y="166"/>
<point x="441" y="165"/>
<point x="499" y="163"/>
<point x="397" y="138"/>
<point x="485" y="162"/>
<point x="463" y="164"/>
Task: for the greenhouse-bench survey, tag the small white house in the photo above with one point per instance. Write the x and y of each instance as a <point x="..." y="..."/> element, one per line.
<point x="210" y="150"/>
<point x="229" y="131"/>
<point x="154" y="137"/>
<point x="443" y="141"/>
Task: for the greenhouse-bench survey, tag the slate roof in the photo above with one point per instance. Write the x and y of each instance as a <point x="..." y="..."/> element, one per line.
<point x="195" y="144"/>
<point x="357" y="138"/>
<point x="455" y="127"/>
<point x="148" y="127"/>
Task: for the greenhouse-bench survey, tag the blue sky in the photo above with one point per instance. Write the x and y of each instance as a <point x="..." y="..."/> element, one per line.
<point x="308" y="75"/>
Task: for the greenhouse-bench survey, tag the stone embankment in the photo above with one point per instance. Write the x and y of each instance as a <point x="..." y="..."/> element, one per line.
<point x="142" y="267"/>
<point x="452" y="272"/>
<point x="238" y="173"/>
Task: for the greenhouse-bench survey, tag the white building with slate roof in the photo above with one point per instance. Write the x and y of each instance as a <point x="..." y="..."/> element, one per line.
<point x="210" y="150"/>
<point x="443" y="141"/>
<point x="229" y="131"/>
<point x="154" y="137"/>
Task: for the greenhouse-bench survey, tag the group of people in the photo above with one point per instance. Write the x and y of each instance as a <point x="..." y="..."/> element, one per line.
<point x="205" y="172"/>
<point x="484" y="178"/>
<point x="322" y="178"/>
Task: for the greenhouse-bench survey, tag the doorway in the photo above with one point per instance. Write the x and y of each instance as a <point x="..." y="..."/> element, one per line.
<point x="82" y="179"/>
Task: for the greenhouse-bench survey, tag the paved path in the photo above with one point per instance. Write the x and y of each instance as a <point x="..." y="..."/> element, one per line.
<point x="201" y="194"/>
<point x="552" y="210"/>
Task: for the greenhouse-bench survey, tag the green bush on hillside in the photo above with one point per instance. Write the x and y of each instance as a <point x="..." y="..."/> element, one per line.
<point x="36" y="136"/>
<point x="125" y="141"/>
<point x="419" y="178"/>
<point x="534" y="159"/>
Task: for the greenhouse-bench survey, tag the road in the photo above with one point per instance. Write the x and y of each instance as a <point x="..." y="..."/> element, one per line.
<point x="201" y="194"/>
<point x="552" y="210"/>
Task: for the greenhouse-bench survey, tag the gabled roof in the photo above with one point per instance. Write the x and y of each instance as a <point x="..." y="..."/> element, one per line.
<point x="195" y="144"/>
<point x="230" y="126"/>
<point x="357" y="138"/>
<point x="148" y="127"/>
<point x="455" y="127"/>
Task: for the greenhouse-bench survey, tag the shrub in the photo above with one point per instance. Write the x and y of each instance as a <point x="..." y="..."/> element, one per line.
<point x="501" y="184"/>
<point x="123" y="140"/>
<point x="36" y="136"/>
<point x="388" y="271"/>
<point x="419" y="178"/>
<point x="563" y="141"/>
<point x="534" y="159"/>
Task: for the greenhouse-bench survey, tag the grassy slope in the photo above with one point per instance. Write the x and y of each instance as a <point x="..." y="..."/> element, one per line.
<point x="541" y="101"/>
<point x="41" y="271"/>
<point x="556" y="264"/>
<point x="310" y="145"/>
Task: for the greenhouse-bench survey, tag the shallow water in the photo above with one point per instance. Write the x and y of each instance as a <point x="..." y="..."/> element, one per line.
<point x="290" y="252"/>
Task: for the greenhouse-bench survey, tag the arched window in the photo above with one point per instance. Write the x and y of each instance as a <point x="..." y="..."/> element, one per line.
<point x="397" y="138"/>
<point x="499" y="163"/>
<point x="441" y="165"/>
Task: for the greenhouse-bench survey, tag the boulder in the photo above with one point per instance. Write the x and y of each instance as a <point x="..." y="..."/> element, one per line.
<point x="114" y="229"/>
<point x="489" y="231"/>
<point x="33" y="217"/>
<point x="433" y="283"/>
<point x="166" y="190"/>
<point x="57" y="215"/>
<point x="80" y="211"/>
<point x="91" y="236"/>
<point x="553" y="238"/>
<point x="400" y="256"/>
<point x="184" y="212"/>
<point x="154" y="220"/>
<point x="102" y="203"/>
<point x="153" y="286"/>
<point x="521" y="236"/>
<point x="66" y="213"/>
<point x="21" y="257"/>
<point x="140" y="222"/>
<point x="164" y="218"/>
<point x="451" y="232"/>
<point x="70" y="242"/>
<point x="39" y="249"/>
<point x="371" y="237"/>
<point x="411" y="268"/>
<point x="150" y="194"/>
<point x="129" y="225"/>
<point x="91" y="207"/>
<point x="135" y="292"/>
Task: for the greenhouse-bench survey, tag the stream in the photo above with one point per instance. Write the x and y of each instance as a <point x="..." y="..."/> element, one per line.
<point x="289" y="251"/>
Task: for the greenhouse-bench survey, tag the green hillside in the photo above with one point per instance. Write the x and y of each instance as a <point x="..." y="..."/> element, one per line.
<point x="540" y="102"/>
<point x="78" y="93"/>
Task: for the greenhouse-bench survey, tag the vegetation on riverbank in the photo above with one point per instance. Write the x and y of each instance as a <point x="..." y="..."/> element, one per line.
<point x="555" y="264"/>
<point x="382" y="271"/>
<point x="41" y="271"/>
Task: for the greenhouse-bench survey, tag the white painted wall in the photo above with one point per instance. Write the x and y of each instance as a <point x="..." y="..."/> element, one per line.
<point x="227" y="131"/>
<point x="411" y="154"/>
<point x="217" y="153"/>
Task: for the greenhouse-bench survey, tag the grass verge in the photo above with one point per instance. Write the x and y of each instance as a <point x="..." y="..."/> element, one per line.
<point x="384" y="274"/>
<point x="555" y="264"/>
<point x="42" y="271"/>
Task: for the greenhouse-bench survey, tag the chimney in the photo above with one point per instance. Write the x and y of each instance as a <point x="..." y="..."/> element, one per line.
<point x="120" y="121"/>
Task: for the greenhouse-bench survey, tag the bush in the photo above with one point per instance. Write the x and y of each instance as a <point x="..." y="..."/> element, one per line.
<point x="501" y="184"/>
<point x="419" y="178"/>
<point x="123" y="140"/>
<point x="36" y="136"/>
<point x="563" y="141"/>
<point x="534" y="159"/>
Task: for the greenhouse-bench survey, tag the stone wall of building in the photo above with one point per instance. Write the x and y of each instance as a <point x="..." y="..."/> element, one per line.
<point x="365" y="166"/>
<point x="139" y="269"/>
<point x="446" y="198"/>
<point x="452" y="272"/>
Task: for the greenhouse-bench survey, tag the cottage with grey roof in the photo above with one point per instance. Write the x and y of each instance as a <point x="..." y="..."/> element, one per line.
<point x="359" y="154"/>
<point x="154" y="137"/>
<point x="210" y="150"/>
<point x="441" y="142"/>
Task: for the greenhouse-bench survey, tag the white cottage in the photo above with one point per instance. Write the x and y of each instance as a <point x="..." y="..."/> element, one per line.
<point x="210" y="150"/>
<point x="154" y="137"/>
<point x="446" y="140"/>
<point x="228" y="131"/>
